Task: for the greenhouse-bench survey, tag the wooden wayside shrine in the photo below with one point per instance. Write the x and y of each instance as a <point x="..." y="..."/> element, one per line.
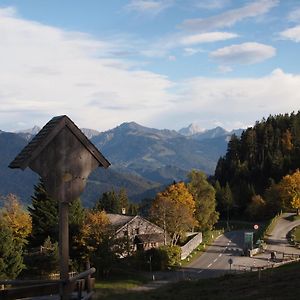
<point x="64" y="157"/>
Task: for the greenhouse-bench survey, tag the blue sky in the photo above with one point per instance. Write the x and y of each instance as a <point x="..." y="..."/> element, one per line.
<point x="161" y="63"/>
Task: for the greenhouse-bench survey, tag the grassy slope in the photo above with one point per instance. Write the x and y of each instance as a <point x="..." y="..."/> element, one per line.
<point x="281" y="283"/>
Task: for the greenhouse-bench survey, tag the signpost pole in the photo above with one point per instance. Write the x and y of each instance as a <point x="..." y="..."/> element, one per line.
<point x="64" y="247"/>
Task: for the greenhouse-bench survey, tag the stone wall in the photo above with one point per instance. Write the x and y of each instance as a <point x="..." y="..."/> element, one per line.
<point x="138" y="225"/>
<point x="191" y="245"/>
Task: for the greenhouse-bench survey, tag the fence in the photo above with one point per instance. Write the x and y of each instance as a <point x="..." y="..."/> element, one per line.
<point x="82" y="285"/>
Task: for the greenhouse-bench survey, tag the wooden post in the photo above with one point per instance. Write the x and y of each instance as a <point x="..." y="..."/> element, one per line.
<point x="64" y="248"/>
<point x="64" y="157"/>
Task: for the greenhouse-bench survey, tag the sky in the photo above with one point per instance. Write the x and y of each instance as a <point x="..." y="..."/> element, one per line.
<point x="160" y="63"/>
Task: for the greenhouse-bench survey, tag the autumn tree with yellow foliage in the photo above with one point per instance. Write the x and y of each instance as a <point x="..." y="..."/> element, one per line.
<point x="173" y="210"/>
<point x="289" y="189"/>
<point x="96" y="242"/>
<point x="16" y="218"/>
<point x="15" y="226"/>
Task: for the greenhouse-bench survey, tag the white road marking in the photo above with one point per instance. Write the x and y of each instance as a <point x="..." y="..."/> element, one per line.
<point x="215" y="260"/>
<point x="220" y="254"/>
<point x="200" y="271"/>
<point x="209" y="265"/>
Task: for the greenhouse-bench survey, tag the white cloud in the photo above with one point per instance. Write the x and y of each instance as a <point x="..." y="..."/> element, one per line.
<point x="212" y="4"/>
<point x="191" y="51"/>
<point x="7" y="11"/>
<point x="161" y="47"/>
<point x="46" y="71"/>
<point x="247" y="53"/>
<point x="294" y="16"/>
<point x="208" y="37"/>
<point x="148" y="6"/>
<point x="292" y="34"/>
<point x="224" y="69"/>
<point x="232" y="100"/>
<point x="230" y="17"/>
<point x="172" y="58"/>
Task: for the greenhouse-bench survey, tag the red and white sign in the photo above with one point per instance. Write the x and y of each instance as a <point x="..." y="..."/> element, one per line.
<point x="255" y="226"/>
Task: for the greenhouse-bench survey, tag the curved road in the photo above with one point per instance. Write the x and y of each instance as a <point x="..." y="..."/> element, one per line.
<point x="215" y="261"/>
<point x="277" y="240"/>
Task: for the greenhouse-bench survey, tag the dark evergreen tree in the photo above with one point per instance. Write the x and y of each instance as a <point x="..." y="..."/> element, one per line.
<point x="109" y="202"/>
<point x="11" y="254"/>
<point x="115" y="203"/>
<point x="262" y="155"/>
<point x="44" y="214"/>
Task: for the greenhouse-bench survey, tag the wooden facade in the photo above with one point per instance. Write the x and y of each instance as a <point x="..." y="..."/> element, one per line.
<point x="64" y="157"/>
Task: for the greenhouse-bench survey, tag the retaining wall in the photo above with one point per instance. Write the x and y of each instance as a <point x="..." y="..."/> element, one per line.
<point x="191" y="245"/>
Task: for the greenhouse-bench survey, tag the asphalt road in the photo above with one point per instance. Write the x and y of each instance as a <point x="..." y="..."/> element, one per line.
<point x="215" y="261"/>
<point x="277" y="240"/>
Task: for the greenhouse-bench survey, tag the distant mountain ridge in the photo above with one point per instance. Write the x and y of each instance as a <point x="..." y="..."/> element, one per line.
<point x="192" y="129"/>
<point x="195" y="132"/>
<point x="143" y="159"/>
<point x="89" y="133"/>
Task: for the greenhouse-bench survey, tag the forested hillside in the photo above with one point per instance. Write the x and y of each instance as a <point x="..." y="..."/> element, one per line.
<point x="260" y="157"/>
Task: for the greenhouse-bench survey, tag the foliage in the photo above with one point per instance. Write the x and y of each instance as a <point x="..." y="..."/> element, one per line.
<point x="11" y="259"/>
<point x="261" y="157"/>
<point x="44" y="214"/>
<point x="224" y="199"/>
<point x="173" y="255"/>
<point x="15" y="226"/>
<point x="115" y="202"/>
<point x="96" y="242"/>
<point x="43" y="262"/>
<point x="205" y="200"/>
<point x="256" y="208"/>
<point x="16" y="218"/>
<point x="173" y="210"/>
<point x="94" y="227"/>
<point x="157" y="259"/>
<point x="289" y="190"/>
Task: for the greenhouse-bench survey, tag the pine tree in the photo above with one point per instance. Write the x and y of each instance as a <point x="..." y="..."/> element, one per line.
<point x="108" y="202"/>
<point x="11" y="259"/>
<point x="44" y="214"/>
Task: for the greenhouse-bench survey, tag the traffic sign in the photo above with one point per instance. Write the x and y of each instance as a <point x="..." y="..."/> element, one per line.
<point x="255" y="226"/>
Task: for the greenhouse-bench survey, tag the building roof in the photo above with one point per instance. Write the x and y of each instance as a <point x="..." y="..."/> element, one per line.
<point x="46" y="135"/>
<point x="119" y="220"/>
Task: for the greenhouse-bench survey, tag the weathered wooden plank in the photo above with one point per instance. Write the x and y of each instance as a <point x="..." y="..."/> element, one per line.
<point x="29" y="291"/>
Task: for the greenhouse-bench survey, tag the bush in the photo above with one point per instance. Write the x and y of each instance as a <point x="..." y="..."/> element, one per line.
<point x="42" y="263"/>
<point x="172" y="255"/>
<point x="157" y="259"/>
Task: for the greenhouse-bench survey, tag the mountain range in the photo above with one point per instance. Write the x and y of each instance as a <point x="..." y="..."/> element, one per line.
<point x="143" y="160"/>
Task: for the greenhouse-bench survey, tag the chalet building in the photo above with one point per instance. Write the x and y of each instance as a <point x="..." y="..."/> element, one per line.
<point x="139" y="232"/>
